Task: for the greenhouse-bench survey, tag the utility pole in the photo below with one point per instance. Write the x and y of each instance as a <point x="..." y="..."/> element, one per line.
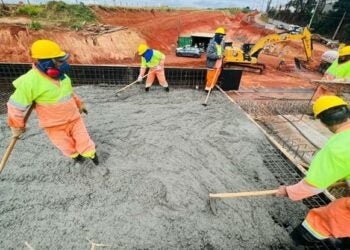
<point x="313" y="15"/>
<point x="341" y="21"/>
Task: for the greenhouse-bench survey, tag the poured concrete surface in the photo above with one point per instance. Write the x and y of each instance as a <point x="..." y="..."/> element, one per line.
<point x="161" y="154"/>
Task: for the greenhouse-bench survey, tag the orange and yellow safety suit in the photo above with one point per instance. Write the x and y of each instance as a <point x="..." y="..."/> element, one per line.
<point x="57" y="108"/>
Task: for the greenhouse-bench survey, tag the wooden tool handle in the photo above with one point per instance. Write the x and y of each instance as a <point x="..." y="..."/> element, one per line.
<point x="130" y="84"/>
<point x="243" y="194"/>
<point x="13" y="141"/>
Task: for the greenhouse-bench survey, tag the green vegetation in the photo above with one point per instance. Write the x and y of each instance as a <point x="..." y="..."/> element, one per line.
<point x="264" y="18"/>
<point x="234" y="11"/>
<point x="35" y="25"/>
<point x="58" y="12"/>
<point x="324" y="23"/>
<point x="30" y="10"/>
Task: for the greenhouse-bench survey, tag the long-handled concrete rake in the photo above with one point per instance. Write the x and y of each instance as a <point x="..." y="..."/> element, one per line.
<point x="13" y="141"/>
<point x="130" y="84"/>
<point x="213" y="197"/>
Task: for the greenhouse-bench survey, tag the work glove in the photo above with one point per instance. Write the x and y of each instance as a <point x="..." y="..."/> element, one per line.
<point x="17" y="132"/>
<point x="83" y="109"/>
<point x="282" y="191"/>
<point x="139" y="79"/>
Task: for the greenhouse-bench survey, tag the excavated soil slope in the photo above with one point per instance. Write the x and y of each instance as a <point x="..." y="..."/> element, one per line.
<point x="160" y="29"/>
<point x="161" y="154"/>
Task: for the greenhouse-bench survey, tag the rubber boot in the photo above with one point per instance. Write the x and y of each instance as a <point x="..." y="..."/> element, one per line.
<point x="78" y="159"/>
<point x="95" y="159"/>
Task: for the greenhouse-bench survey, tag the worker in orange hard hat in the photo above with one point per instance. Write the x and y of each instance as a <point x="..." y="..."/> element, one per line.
<point x="340" y="68"/>
<point x="154" y="60"/>
<point x="215" y="53"/>
<point x="329" y="223"/>
<point x="58" y="108"/>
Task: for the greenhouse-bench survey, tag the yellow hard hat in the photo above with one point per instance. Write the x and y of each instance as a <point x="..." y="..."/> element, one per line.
<point x="220" y="30"/>
<point x="142" y="49"/>
<point x="326" y="102"/>
<point x="46" y="49"/>
<point x="345" y="51"/>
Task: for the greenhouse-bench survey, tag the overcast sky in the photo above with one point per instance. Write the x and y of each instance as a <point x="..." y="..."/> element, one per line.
<point x="253" y="4"/>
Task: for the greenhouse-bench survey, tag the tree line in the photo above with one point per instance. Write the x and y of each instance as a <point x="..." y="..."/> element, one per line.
<point x="324" y="22"/>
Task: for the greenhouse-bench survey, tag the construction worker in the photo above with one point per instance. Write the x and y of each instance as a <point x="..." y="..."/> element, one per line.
<point x="154" y="60"/>
<point x="340" y="68"/>
<point x="215" y="53"/>
<point x="58" y="109"/>
<point x="330" y="223"/>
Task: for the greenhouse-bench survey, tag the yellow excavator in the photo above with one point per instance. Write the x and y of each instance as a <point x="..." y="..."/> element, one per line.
<point x="246" y="58"/>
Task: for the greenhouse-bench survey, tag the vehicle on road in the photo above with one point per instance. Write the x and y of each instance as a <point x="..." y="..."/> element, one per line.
<point x="280" y="26"/>
<point x="188" y="51"/>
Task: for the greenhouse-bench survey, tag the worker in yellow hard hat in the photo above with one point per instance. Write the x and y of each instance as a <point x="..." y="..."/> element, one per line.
<point x="58" y="108"/>
<point x="215" y="53"/>
<point x="154" y="60"/>
<point x="329" y="223"/>
<point x="340" y="68"/>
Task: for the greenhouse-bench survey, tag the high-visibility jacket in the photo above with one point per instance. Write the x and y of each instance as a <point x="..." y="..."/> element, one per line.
<point x="214" y="53"/>
<point x="156" y="58"/>
<point x="55" y="102"/>
<point x="331" y="164"/>
<point x="341" y="71"/>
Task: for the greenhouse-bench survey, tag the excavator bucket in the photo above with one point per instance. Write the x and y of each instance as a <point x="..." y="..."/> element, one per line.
<point x="301" y="64"/>
<point x="297" y="63"/>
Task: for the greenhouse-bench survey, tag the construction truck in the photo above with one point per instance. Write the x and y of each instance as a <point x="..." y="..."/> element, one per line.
<point x="246" y="58"/>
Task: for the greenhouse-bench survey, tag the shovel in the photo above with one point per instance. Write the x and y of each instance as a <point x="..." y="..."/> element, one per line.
<point x="13" y="141"/>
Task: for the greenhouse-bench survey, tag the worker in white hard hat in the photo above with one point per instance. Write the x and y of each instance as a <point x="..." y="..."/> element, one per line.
<point x="340" y="68"/>
<point x="154" y="60"/>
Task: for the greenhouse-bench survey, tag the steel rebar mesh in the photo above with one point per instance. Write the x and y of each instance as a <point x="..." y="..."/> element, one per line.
<point x="102" y="75"/>
<point x="274" y="107"/>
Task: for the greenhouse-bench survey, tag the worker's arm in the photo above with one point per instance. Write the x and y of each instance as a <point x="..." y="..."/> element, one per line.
<point x="212" y="52"/>
<point x="161" y="63"/>
<point x="299" y="191"/>
<point x="19" y="102"/>
<point x="80" y="104"/>
<point x="326" y="168"/>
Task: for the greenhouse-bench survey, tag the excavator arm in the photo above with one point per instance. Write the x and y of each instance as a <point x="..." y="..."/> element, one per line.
<point x="246" y="58"/>
<point x="275" y="38"/>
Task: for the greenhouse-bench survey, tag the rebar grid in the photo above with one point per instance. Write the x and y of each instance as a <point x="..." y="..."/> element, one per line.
<point x="274" y="107"/>
<point x="101" y="75"/>
<point x="299" y="147"/>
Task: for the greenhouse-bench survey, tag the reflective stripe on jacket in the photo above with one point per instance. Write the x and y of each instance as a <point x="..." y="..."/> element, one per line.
<point x="332" y="220"/>
<point x="55" y="101"/>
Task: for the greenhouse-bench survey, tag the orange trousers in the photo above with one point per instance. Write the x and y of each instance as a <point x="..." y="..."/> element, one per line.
<point x="212" y="78"/>
<point x="160" y="74"/>
<point x="72" y="139"/>
<point x="332" y="220"/>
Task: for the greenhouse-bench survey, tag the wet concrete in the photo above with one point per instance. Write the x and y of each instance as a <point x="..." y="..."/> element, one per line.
<point x="161" y="154"/>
